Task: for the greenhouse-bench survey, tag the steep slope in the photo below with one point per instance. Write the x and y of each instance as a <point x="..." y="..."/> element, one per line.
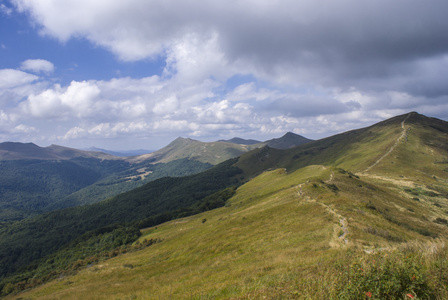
<point x="23" y="242"/>
<point x="282" y="236"/>
<point x="302" y="229"/>
<point x="418" y="145"/>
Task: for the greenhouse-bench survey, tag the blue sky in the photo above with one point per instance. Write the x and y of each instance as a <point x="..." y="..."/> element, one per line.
<point x="139" y="73"/>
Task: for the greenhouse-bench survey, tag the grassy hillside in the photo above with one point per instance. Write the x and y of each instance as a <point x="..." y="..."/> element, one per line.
<point x="181" y="148"/>
<point x="283" y="235"/>
<point x="363" y="214"/>
<point x="216" y="152"/>
<point x="418" y="145"/>
<point x="41" y="179"/>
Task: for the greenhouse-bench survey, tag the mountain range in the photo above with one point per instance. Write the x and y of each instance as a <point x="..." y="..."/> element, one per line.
<point x="123" y="153"/>
<point x="40" y="179"/>
<point x="16" y="151"/>
<point x="362" y="214"/>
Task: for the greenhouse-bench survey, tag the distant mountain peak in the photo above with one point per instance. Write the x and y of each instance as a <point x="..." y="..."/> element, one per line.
<point x="182" y="140"/>
<point x="290" y="134"/>
<point x="16" y="150"/>
<point x="240" y="141"/>
<point x="289" y="140"/>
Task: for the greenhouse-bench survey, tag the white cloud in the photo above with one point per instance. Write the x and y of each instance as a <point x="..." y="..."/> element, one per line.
<point x="21" y="128"/>
<point x="47" y="104"/>
<point x="166" y="106"/>
<point x="10" y="78"/>
<point x="125" y="108"/>
<point x="81" y="97"/>
<point x="249" y="91"/>
<point x="37" y="66"/>
<point x="15" y="86"/>
<point x="4" y="9"/>
<point x="312" y="67"/>
<point x="77" y="100"/>
<point x="284" y="42"/>
<point x="74" y="134"/>
<point x="194" y="58"/>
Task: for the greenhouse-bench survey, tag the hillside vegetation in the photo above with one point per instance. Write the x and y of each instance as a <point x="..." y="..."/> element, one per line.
<point x="216" y="152"/>
<point x="41" y="179"/>
<point x="358" y="215"/>
<point x="23" y="242"/>
<point x="282" y="235"/>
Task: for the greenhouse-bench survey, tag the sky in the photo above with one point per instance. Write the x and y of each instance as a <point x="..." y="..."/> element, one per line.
<point x="137" y="74"/>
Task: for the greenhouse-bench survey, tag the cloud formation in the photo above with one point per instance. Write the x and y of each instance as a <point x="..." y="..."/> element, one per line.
<point x="248" y="68"/>
<point x="323" y="42"/>
<point x="37" y="66"/>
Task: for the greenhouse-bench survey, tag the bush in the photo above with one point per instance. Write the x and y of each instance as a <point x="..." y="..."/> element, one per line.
<point x="384" y="276"/>
<point x="414" y="271"/>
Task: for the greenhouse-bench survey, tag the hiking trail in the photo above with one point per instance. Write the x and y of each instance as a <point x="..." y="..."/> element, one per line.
<point x="403" y="135"/>
<point x="342" y="230"/>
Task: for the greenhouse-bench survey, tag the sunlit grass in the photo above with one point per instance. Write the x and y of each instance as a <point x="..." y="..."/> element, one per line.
<point x="250" y="245"/>
<point x="278" y="237"/>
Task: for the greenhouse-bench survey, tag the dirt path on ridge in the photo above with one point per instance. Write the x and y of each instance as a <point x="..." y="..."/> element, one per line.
<point x="342" y="230"/>
<point x="403" y="134"/>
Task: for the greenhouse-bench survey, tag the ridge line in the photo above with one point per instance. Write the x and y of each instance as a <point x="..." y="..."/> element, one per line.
<point x="403" y="134"/>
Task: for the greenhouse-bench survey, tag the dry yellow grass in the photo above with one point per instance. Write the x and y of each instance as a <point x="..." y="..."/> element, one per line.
<point x="276" y="238"/>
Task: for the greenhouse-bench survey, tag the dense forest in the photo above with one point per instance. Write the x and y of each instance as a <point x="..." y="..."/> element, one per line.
<point x="130" y="178"/>
<point x="101" y="244"/>
<point x="31" y="187"/>
<point x="28" y="186"/>
<point x="32" y="239"/>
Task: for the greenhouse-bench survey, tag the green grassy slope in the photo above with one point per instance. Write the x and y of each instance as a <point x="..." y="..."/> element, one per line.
<point x="359" y="149"/>
<point x="41" y="179"/>
<point x="216" y="152"/>
<point x="283" y="235"/>
<point x="369" y="204"/>
<point x="181" y="148"/>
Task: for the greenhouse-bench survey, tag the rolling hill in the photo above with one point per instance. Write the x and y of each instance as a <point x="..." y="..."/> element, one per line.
<point x="216" y="152"/>
<point x="240" y="141"/>
<point x="362" y="214"/>
<point x="180" y="148"/>
<point x="289" y="140"/>
<point x="16" y="151"/>
<point x="41" y="179"/>
<point x="123" y="153"/>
